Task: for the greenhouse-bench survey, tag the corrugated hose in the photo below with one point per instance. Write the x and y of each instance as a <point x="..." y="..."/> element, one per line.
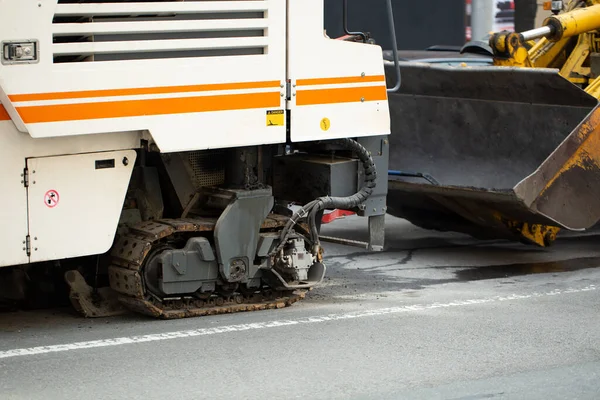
<point x="311" y="209"/>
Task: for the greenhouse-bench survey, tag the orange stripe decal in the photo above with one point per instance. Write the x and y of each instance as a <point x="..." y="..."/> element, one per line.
<point x="3" y="114"/>
<point x="346" y="95"/>
<point x="137" y="108"/>
<point x="336" y="81"/>
<point x="143" y="91"/>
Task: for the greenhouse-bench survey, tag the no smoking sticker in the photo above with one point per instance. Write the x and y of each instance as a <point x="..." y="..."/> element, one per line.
<point x="51" y="198"/>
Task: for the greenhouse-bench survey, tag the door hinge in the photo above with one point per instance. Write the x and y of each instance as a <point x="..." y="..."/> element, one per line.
<point x="25" y="176"/>
<point x="28" y="245"/>
<point x="288" y="91"/>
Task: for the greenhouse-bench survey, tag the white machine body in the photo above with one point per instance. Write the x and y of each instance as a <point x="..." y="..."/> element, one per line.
<point x="82" y="84"/>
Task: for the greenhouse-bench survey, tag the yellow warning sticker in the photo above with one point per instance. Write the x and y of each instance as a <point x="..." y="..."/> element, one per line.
<point x="325" y="124"/>
<point x="275" y="118"/>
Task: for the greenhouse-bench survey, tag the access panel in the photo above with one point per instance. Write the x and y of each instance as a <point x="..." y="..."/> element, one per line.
<point x="75" y="202"/>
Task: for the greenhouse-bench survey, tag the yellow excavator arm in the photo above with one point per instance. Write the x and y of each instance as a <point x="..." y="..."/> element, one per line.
<point x="566" y="41"/>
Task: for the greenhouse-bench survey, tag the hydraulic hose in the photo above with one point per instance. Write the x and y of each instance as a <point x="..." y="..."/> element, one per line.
<point x="311" y="209"/>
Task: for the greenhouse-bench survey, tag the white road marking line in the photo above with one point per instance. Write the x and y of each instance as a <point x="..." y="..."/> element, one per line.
<point x="275" y="324"/>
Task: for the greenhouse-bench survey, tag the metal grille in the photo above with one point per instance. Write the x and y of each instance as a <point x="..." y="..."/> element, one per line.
<point x="104" y="30"/>
<point x="208" y="169"/>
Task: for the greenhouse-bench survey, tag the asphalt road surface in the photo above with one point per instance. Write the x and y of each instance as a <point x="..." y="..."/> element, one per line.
<point x="435" y="316"/>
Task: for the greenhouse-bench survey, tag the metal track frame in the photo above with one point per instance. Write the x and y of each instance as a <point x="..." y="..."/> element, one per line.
<point x="132" y="250"/>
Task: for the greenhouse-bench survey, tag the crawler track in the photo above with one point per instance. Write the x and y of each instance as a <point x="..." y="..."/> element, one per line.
<point x="133" y="248"/>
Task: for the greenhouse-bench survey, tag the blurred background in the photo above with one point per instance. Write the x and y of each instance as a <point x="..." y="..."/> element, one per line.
<point x="424" y="23"/>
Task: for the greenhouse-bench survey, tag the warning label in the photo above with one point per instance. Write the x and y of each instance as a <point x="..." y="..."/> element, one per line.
<point x="51" y="198"/>
<point x="275" y="118"/>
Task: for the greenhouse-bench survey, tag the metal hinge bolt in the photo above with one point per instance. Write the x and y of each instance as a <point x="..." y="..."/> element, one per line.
<point x="28" y="245"/>
<point x="25" y="176"/>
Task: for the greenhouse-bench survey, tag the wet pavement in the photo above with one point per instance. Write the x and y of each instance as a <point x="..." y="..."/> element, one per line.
<point x="435" y="316"/>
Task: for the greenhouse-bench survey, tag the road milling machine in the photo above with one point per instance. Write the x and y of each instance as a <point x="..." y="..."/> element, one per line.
<point x="508" y="151"/>
<point x="152" y="149"/>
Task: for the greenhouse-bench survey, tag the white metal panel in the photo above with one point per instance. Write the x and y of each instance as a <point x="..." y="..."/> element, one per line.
<point x="345" y="96"/>
<point x="344" y="120"/>
<point x="13" y="212"/>
<point x="244" y="122"/>
<point x="172" y="138"/>
<point x="83" y="217"/>
<point x="158" y="8"/>
<point x="15" y="147"/>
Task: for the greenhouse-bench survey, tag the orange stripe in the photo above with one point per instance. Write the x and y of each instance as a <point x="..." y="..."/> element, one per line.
<point x="136" y="108"/>
<point x="142" y="91"/>
<point x="347" y="95"/>
<point x="333" y="81"/>
<point x="3" y="114"/>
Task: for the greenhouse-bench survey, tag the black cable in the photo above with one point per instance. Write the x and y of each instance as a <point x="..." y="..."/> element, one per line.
<point x="310" y="210"/>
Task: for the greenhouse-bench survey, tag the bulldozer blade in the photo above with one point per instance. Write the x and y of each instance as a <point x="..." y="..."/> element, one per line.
<point x="493" y="152"/>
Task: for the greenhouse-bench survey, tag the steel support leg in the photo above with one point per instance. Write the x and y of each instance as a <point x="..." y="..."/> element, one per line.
<point x="376" y="232"/>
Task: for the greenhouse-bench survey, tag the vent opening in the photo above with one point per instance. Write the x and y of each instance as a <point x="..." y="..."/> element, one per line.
<point x="101" y="30"/>
<point x="208" y="168"/>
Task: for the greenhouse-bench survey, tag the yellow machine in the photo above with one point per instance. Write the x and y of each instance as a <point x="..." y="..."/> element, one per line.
<point x="508" y="151"/>
<point x="568" y="41"/>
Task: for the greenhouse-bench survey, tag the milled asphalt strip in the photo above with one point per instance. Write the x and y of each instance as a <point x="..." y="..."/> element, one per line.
<point x="275" y="324"/>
